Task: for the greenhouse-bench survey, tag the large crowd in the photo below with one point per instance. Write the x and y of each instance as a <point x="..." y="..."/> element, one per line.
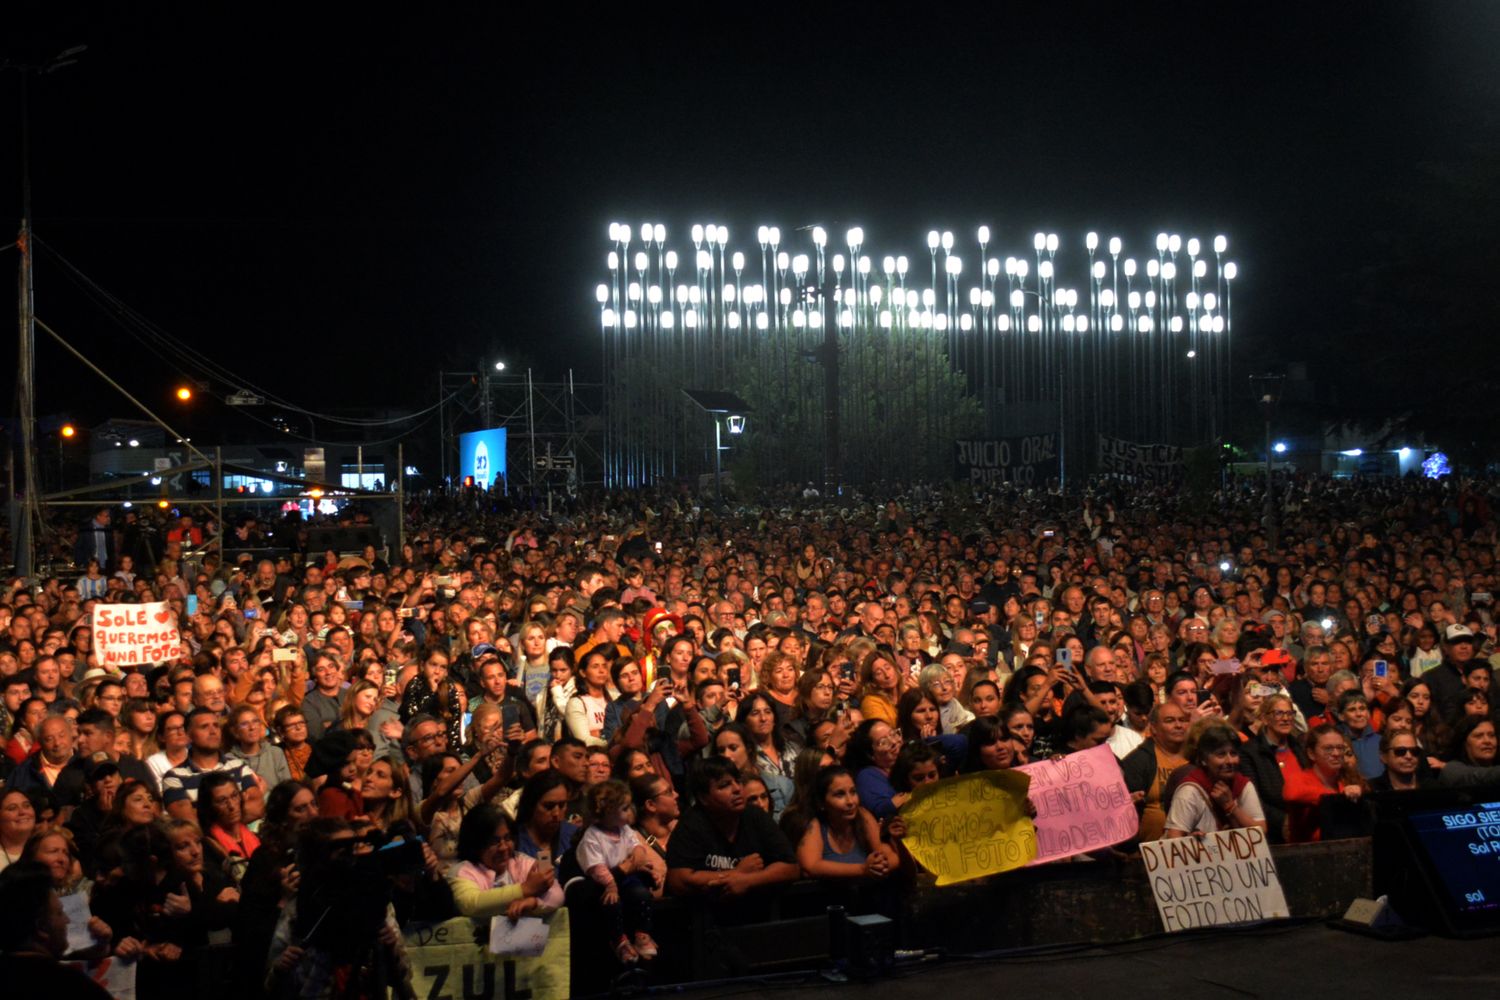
<point x="561" y="719"/>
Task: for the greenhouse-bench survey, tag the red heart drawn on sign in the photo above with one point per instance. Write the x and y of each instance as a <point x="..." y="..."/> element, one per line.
<point x="163" y="616"/>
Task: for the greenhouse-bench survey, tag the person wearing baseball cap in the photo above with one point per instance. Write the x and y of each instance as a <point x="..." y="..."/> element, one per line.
<point x="1446" y="680"/>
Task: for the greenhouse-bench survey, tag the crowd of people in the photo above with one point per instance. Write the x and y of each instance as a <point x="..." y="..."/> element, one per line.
<point x="570" y="717"/>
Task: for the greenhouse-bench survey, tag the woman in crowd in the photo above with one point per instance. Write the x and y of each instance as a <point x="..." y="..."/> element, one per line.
<point x="870" y="757"/>
<point x="171" y="736"/>
<point x="442" y="811"/>
<point x="247" y="730"/>
<point x="1023" y="635"/>
<point x="777" y="677"/>
<point x="882" y="685"/>
<point x="815" y="700"/>
<point x="1024" y="737"/>
<point x="984" y="699"/>
<point x="55" y="849"/>
<point x="842" y="841"/>
<point x="493" y="881"/>
<point x="1331" y="772"/>
<point x="1271" y="755"/>
<point x="657" y="811"/>
<point x="1213" y="794"/>
<point x="773" y="760"/>
<point x="585" y="713"/>
<point x="732" y="742"/>
<point x="137" y="804"/>
<point x="916" y="764"/>
<point x="799" y="811"/>
<point x="937" y="684"/>
<point x="229" y="843"/>
<point x="432" y="692"/>
<point x="910" y="656"/>
<point x="990" y="746"/>
<point x="1471" y="754"/>
<point x="139" y="723"/>
<point x="541" y="815"/>
<point x="291" y="729"/>
<point x="529" y="671"/>
<point x="917" y="717"/>
<point x="17" y="823"/>
<point x="386" y="791"/>
<point x="630" y="684"/>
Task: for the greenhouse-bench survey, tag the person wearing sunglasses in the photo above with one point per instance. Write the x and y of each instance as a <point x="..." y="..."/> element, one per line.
<point x="1402" y="756"/>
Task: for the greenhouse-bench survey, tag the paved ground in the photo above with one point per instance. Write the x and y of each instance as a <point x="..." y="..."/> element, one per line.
<point x="1307" y="961"/>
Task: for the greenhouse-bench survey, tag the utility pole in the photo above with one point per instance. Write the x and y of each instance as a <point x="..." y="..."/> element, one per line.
<point x="484" y="393"/>
<point x="1270" y="393"/>
<point x="25" y="510"/>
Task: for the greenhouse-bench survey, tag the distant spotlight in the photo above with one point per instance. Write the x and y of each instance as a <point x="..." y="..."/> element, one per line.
<point x="1280" y="448"/>
<point x="1190" y="354"/>
<point x="135" y="443"/>
<point x="1403" y="454"/>
<point x="184" y="393"/>
<point x="499" y="366"/>
<point x="1353" y="452"/>
<point x="68" y="430"/>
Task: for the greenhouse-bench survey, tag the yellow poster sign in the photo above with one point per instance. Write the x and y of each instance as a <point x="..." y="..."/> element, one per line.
<point x="970" y="826"/>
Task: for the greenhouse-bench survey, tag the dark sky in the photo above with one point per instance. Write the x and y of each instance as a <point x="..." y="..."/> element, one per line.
<point x="334" y="207"/>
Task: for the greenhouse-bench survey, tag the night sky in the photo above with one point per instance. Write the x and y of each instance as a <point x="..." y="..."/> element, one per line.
<point x="335" y="207"/>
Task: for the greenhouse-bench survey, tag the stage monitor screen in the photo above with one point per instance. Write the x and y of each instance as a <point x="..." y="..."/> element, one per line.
<point x="481" y="454"/>
<point x="1463" y="847"/>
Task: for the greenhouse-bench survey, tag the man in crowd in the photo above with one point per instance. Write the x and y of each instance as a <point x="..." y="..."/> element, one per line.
<point x="179" y="786"/>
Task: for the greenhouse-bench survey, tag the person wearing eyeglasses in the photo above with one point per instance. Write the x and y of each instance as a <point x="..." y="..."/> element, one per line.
<point x="1331" y="773"/>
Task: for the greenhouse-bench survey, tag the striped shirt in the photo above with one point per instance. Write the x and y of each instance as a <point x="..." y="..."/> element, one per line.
<point x="182" y="782"/>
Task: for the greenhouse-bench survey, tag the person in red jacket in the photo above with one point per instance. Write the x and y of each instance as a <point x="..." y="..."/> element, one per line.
<point x="1330" y="774"/>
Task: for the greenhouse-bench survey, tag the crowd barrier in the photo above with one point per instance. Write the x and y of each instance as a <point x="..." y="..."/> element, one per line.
<point x="1095" y="902"/>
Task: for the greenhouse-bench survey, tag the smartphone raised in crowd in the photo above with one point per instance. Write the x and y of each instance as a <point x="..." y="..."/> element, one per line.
<point x="192" y="604"/>
<point x="1382" y="670"/>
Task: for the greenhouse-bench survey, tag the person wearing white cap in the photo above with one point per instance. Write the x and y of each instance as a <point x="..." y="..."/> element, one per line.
<point x="1446" y="680"/>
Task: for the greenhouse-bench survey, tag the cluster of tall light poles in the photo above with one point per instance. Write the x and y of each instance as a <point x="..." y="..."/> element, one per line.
<point x="1134" y="346"/>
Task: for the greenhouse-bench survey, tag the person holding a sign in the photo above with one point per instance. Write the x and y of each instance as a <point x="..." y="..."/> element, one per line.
<point x="34" y="935"/>
<point x="1213" y="794"/>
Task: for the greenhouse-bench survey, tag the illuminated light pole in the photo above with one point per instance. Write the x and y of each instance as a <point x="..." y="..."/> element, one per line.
<point x="1111" y="359"/>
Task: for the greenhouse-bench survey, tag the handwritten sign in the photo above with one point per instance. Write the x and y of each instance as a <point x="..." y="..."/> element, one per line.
<point x="128" y="635"/>
<point x="970" y="826"/>
<point x="1226" y="878"/>
<point x="1081" y="802"/>
<point x="448" y="960"/>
